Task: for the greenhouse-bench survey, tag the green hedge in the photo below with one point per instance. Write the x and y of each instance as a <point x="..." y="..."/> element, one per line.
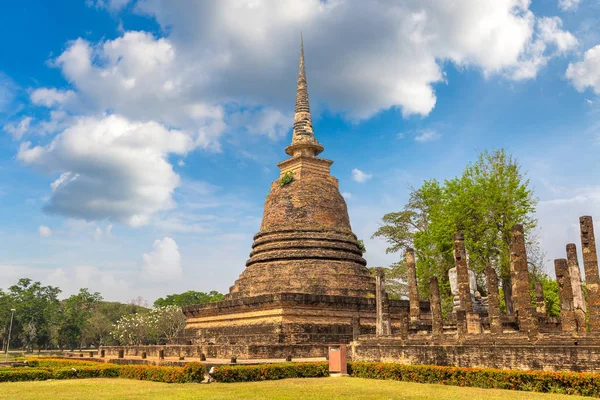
<point x="265" y="372"/>
<point x="585" y="384"/>
<point x="192" y="372"/>
<point x="24" y="374"/>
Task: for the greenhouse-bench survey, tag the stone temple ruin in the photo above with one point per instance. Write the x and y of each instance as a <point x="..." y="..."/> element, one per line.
<point x="306" y="286"/>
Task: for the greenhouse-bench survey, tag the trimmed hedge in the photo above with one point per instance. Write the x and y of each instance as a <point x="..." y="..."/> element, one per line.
<point x="24" y="374"/>
<point x="66" y="369"/>
<point x="265" y="372"/>
<point x="583" y="384"/>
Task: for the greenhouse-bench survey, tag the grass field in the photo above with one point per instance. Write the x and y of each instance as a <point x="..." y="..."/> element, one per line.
<point x="313" y="388"/>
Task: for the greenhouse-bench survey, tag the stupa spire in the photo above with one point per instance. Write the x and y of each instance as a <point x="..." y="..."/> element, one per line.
<point x="303" y="137"/>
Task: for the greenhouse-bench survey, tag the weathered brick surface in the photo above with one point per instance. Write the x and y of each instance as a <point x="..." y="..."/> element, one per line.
<point x="565" y="292"/>
<point x="575" y="272"/>
<point x="540" y="302"/>
<point x="520" y="282"/>
<point x="413" y="291"/>
<point x="383" y="325"/>
<point x="510" y="352"/>
<point x="436" y="306"/>
<point x="462" y="273"/>
<point x="590" y="265"/>
<point x="493" y="300"/>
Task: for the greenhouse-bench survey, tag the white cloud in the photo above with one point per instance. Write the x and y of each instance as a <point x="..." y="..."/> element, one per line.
<point x="17" y="131"/>
<point x="568" y="5"/>
<point x="45" y="231"/>
<point x="50" y="97"/>
<point x="112" y="5"/>
<point x="110" y="168"/>
<point x="246" y="53"/>
<point x="360" y="176"/>
<point x="347" y="195"/>
<point x="586" y="73"/>
<point x="163" y="263"/>
<point x="427" y="135"/>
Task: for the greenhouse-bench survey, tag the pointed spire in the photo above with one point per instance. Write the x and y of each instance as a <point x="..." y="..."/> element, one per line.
<point x="303" y="136"/>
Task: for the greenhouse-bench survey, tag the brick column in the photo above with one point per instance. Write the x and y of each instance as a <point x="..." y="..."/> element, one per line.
<point x="575" y="272"/>
<point x="590" y="265"/>
<point x="404" y="325"/>
<point x="565" y="292"/>
<point x="462" y="273"/>
<point x="540" y="301"/>
<point x="413" y="291"/>
<point x="436" y="306"/>
<point x="520" y="283"/>
<point x="383" y="326"/>
<point x="493" y="300"/>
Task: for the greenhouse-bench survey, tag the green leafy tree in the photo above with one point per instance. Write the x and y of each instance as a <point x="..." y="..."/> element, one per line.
<point x="36" y="310"/>
<point x="76" y="310"/>
<point x="484" y="203"/>
<point x="188" y="298"/>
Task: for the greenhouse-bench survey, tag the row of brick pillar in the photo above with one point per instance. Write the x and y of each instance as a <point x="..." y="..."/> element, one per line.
<point x="573" y="307"/>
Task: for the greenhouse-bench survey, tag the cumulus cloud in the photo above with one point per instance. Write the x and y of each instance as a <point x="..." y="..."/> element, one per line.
<point x="360" y="176"/>
<point x="18" y="130"/>
<point x="586" y="73"/>
<point x="245" y="53"/>
<point x="45" y="231"/>
<point x="163" y="263"/>
<point x="49" y="97"/>
<point x="110" y="168"/>
<point x="349" y="65"/>
<point x="427" y="135"/>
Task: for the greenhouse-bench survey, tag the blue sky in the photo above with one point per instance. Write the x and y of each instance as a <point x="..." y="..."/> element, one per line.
<point x="139" y="138"/>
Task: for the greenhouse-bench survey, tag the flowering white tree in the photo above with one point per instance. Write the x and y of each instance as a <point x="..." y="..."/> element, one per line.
<point x="161" y="323"/>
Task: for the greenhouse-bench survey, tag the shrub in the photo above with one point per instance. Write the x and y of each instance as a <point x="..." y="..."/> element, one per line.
<point x="193" y="372"/>
<point x="154" y="373"/>
<point x="264" y="372"/>
<point x="286" y="179"/>
<point x="96" y="371"/>
<point x="24" y="374"/>
<point x="54" y="363"/>
<point x="585" y="384"/>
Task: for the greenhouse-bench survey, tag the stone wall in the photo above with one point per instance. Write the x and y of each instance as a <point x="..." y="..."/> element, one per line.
<point x="510" y="353"/>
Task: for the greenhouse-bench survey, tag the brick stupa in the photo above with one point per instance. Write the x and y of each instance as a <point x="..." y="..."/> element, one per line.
<point x="306" y="284"/>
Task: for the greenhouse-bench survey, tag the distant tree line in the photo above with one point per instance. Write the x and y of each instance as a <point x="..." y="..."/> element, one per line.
<point x="43" y="321"/>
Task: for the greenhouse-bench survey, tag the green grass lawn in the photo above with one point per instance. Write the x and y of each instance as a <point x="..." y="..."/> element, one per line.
<point x="308" y="388"/>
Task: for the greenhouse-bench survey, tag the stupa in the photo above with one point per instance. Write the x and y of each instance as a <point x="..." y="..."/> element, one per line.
<point x="305" y="284"/>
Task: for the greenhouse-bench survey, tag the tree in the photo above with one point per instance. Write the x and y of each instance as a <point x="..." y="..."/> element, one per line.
<point x="170" y="322"/>
<point x="36" y="310"/>
<point x="484" y="203"/>
<point x="76" y="310"/>
<point x="159" y="325"/>
<point x="188" y="298"/>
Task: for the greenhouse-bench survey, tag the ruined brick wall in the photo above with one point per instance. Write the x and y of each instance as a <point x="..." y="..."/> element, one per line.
<point x="512" y="353"/>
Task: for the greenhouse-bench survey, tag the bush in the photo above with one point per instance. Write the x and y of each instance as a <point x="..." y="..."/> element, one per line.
<point x="54" y="363"/>
<point x="158" y="374"/>
<point x="96" y="371"/>
<point x="585" y="384"/>
<point x="24" y="374"/>
<point x="286" y="179"/>
<point x="265" y="372"/>
<point x="193" y="372"/>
